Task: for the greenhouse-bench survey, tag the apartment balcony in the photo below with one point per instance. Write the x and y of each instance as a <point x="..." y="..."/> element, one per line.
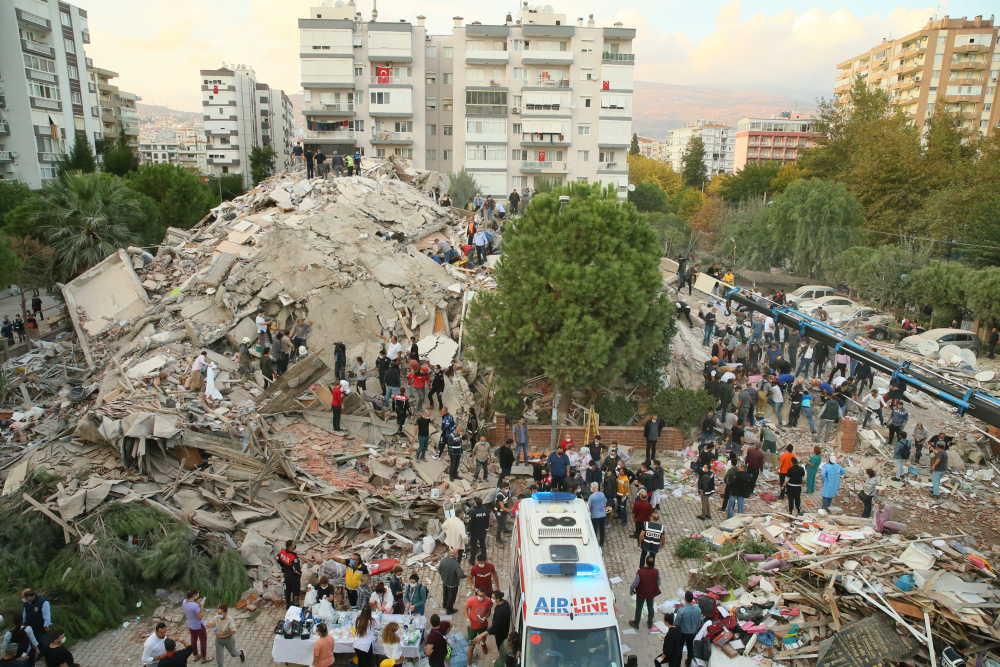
<point x="487" y="57"/>
<point x="612" y="168"/>
<point x="224" y="160"/>
<point x="6" y="156"/>
<point x="390" y="110"/>
<point x="542" y="139"/>
<point x="535" y="167"/>
<point x="383" y="138"/>
<point x="486" y="165"/>
<point x="547" y="57"/>
<point x="306" y="51"/>
<point x="626" y="58"/>
<point x="910" y="67"/>
<point x="85" y="36"/>
<point x="49" y="157"/>
<point x="970" y="48"/>
<point x="339" y="109"/>
<point x="968" y="64"/>
<point x="4" y="128"/>
<point x="486" y="109"/>
<point x="331" y="137"/>
<point x="328" y="81"/>
<point x="960" y="98"/>
<point x="35" y="20"/>
<point x="486" y="83"/>
<point x="547" y="82"/>
<point x="390" y="55"/>
<point x="90" y="62"/>
<point x="37" y="48"/>
<point x="616" y="112"/>
<point x="905" y="85"/>
<point x="614" y="142"/>
<point x="45" y="103"/>
<point x="390" y="80"/>
<point x="546" y="109"/>
<point x="913" y="49"/>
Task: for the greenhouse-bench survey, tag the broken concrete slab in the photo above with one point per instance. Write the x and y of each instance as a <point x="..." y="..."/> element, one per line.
<point x="438" y="350"/>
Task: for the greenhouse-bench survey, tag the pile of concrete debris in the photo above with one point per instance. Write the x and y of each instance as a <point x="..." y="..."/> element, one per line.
<point x="113" y="414"/>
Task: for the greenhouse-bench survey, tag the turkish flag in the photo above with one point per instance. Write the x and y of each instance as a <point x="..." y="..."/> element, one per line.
<point x="383" y="74"/>
<point x="215" y="90"/>
<point x="606" y="85"/>
<point x="541" y="156"/>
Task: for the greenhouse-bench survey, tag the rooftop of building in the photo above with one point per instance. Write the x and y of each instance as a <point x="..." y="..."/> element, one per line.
<point x="944" y="23"/>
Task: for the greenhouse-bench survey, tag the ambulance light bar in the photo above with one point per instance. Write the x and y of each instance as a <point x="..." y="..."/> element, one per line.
<point x="569" y="569"/>
<point x="553" y="495"/>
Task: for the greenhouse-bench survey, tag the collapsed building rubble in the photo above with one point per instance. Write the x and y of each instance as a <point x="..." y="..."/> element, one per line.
<point x="112" y="414"/>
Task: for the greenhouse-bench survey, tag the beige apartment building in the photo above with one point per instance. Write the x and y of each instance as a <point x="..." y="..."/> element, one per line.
<point x="510" y="102"/>
<point x="958" y="59"/>
<point x="719" y="140"/>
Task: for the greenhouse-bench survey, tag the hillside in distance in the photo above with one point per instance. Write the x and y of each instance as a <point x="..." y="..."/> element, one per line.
<point x="659" y="107"/>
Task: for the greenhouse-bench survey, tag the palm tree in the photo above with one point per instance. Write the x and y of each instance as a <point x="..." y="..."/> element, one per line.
<point x="84" y="218"/>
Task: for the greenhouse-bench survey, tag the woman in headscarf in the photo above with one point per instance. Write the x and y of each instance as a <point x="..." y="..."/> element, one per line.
<point x="831" y="473"/>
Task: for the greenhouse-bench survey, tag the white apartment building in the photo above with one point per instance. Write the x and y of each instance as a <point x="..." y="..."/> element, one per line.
<point x="190" y="137"/>
<point x="511" y="102"/>
<point x="237" y="113"/>
<point x="719" y="140"/>
<point x="276" y="128"/>
<point x="150" y="153"/>
<point x="44" y="101"/>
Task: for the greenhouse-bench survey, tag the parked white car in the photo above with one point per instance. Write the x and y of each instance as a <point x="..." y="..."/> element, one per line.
<point x="836" y="307"/>
<point x="810" y="293"/>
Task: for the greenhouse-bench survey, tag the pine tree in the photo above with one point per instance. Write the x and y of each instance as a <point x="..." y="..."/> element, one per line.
<point x="578" y="294"/>
<point x="694" y="172"/>
<point x="463" y="188"/>
<point x="80" y="159"/>
<point x="940" y="285"/>
<point x="119" y="158"/>
<point x="633" y="148"/>
<point x="261" y="163"/>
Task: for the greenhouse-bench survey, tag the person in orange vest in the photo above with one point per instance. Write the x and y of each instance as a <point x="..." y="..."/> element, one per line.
<point x="291" y="567"/>
<point x="471" y="230"/>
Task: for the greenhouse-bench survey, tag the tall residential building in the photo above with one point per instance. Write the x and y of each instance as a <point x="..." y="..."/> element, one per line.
<point x="956" y="58"/>
<point x="780" y="139"/>
<point x="719" y="140"/>
<point x="116" y="108"/>
<point x="43" y="103"/>
<point x="510" y="102"/>
<point x="152" y="153"/>
<point x="276" y="128"/>
<point x="190" y="137"/>
<point x="650" y="148"/>
<point x="238" y="116"/>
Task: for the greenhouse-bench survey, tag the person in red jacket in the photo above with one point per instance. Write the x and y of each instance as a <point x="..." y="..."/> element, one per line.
<point x="645" y="586"/>
<point x="755" y="463"/>
<point x="419" y="381"/>
<point x="337" y="404"/>
<point x="641" y="511"/>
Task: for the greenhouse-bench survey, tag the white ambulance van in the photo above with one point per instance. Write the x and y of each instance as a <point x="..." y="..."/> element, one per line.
<point x="563" y="603"/>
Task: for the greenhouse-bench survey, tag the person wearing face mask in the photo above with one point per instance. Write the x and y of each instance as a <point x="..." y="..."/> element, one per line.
<point x="56" y="655"/>
<point x="477" y="612"/>
<point x="291" y="567"/>
<point x="175" y="658"/>
<point x="415" y="596"/>
<point x="352" y="578"/>
<point x="37" y="614"/>
<point x="224" y="628"/>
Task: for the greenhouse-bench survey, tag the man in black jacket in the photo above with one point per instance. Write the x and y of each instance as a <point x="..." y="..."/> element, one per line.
<point x="741" y="485"/>
<point x="652" y="432"/>
<point x="505" y="456"/>
<point x="513" y="199"/>
<point x="706" y="489"/>
<point x="391" y="381"/>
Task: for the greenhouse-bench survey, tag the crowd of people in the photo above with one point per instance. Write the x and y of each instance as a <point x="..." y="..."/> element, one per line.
<point x="20" y="329"/>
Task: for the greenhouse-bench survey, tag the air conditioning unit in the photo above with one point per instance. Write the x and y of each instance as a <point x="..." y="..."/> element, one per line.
<point x="516" y="110"/>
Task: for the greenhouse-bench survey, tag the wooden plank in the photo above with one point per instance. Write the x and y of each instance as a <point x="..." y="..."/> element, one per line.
<point x="293" y="382"/>
<point x="218" y="271"/>
<point x="47" y="512"/>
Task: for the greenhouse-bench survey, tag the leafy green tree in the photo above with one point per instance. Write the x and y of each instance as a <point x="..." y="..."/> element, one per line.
<point x="181" y="198"/>
<point x="752" y="182"/>
<point x="846" y="266"/>
<point x="261" y="163"/>
<point x="463" y="188"/>
<point x="650" y="373"/>
<point x="682" y="408"/>
<point x="672" y="232"/>
<point x="232" y="186"/>
<point x="940" y="285"/>
<point x="10" y="263"/>
<point x="13" y="193"/>
<point x="694" y="172"/>
<point x="642" y="169"/>
<point x="982" y="231"/>
<point x="813" y="221"/>
<point x="983" y="292"/>
<point x="80" y="159"/>
<point x="578" y="293"/>
<point x="688" y="202"/>
<point x="119" y="158"/>
<point x="883" y="277"/>
<point x="543" y="184"/>
<point x="751" y="243"/>
<point x="84" y="218"/>
<point x="788" y="174"/>
<point x="633" y="148"/>
<point x="649" y="197"/>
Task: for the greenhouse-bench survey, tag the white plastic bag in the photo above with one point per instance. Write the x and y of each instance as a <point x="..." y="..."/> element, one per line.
<point x="310" y="598"/>
<point x="323" y="610"/>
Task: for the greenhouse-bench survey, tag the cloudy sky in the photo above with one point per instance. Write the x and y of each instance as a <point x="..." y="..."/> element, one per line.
<point x="770" y="45"/>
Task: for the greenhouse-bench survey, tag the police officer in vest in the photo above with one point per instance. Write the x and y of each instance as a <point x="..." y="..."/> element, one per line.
<point x="291" y="567"/>
<point x="37" y="615"/>
<point x="651" y="538"/>
<point x="455" y="452"/>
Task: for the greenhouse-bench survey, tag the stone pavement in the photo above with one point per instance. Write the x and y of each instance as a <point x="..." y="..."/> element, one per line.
<point x="123" y="647"/>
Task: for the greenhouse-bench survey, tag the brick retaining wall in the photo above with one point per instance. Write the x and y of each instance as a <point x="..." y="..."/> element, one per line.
<point x="671" y="439"/>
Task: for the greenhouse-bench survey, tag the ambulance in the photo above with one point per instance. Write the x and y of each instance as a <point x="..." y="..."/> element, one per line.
<point x="564" y="608"/>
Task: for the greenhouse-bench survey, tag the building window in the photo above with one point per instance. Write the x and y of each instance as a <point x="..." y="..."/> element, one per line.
<point x="40" y="64"/>
<point x="448" y="155"/>
<point x="518" y="155"/>
<point x="581" y="179"/>
<point x="486" y="102"/>
<point x="431" y="52"/>
<point x="404" y="152"/>
<point x="40" y="90"/>
<point x="448" y="130"/>
<point x="583" y="129"/>
<point x="587" y="74"/>
<point x="379" y="152"/>
<point x="432" y="103"/>
<point x="941" y="41"/>
<point x="66" y="19"/>
<point x="475" y="45"/>
<point x="431" y="78"/>
<point x="448" y="104"/>
<point x="606" y="156"/>
<point x="403" y="126"/>
<point x="48" y="171"/>
<point x="74" y="73"/>
<point x="587" y="46"/>
<point x="583" y="156"/>
<point x="585" y="102"/>
<point x="431" y="154"/>
<point x="69" y="45"/>
<point x="936" y="74"/>
<point x="359" y="71"/>
<point x="447" y="78"/>
<point x="516" y="128"/>
<point x="431" y="130"/>
<point x="77" y="98"/>
<point x="447" y="52"/>
<point x="379" y="98"/>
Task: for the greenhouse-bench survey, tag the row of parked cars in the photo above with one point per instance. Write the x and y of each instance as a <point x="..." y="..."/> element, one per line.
<point x="842" y="311"/>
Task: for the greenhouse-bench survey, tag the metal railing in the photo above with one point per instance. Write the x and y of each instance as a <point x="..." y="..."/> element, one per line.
<point x="337" y="106"/>
<point x="5" y="156"/>
<point x="4" y="127"/>
<point x="546" y="165"/>
<point x="46" y="103"/>
<point x="331" y="134"/>
<point x="486" y="82"/>
<point x="382" y="135"/>
<point x="628" y="57"/>
<point x="386" y="80"/>
<point x="37" y="47"/>
<point x="549" y="82"/>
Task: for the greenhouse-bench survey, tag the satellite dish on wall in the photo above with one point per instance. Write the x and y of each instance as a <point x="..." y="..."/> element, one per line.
<point x="631" y="187"/>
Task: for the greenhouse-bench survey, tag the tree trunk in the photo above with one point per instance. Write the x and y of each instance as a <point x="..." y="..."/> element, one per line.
<point x="555" y="416"/>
